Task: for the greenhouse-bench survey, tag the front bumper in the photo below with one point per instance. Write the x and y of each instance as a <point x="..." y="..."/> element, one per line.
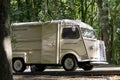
<point x="99" y="62"/>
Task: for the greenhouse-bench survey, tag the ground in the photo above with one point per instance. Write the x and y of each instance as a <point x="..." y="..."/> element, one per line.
<point x="44" y="77"/>
<point x="67" y="78"/>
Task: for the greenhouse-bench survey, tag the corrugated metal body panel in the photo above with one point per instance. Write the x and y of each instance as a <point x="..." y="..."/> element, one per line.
<point x="27" y="38"/>
<point x="27" y="45"/>
<point x="27" y="32"/>
<point x="34" y="57"/>
<point x="49" y="44"/>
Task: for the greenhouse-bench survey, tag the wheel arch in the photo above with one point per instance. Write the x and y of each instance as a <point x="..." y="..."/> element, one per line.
<point x="19" y="55"/>
<point x="14" y="58"/>
<point x="70" y="54"/>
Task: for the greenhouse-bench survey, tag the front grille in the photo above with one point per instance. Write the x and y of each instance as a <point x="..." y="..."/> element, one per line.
<point x="102" y="51"/>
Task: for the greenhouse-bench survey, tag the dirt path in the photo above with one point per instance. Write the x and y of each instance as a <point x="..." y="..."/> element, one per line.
<point x="65" y="78"/>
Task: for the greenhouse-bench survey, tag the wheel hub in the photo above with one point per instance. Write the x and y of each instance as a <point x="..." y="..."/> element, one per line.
<point x="69" y="63"/>
<point x="18" y="65"/>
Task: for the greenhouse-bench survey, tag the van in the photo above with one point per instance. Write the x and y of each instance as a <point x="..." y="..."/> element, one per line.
<point x="67" y="43"/>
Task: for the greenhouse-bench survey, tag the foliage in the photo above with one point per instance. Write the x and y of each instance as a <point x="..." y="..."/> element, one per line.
<point x="114" y="15"/>
<point x="86" y="10"/>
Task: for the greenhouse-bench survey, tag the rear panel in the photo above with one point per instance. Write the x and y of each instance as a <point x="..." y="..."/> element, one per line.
<point x="27" y="39"/>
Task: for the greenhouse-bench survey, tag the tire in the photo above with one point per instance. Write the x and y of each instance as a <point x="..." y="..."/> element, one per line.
<point x="37" y="68"/>
<point x="18" y="65"/>
<point x="69" y="63"/>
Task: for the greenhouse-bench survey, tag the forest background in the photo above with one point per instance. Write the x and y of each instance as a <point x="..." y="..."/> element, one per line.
<point x="103" y="15"/>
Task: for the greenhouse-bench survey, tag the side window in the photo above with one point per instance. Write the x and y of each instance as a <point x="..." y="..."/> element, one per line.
<point x="70" y="33"/>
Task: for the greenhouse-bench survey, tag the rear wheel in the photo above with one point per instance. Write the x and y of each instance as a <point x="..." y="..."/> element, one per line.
<point x="69" y="63"/>
<point x="18" y="65"/>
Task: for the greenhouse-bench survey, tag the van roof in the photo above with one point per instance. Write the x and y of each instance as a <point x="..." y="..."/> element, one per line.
<point x="64" y="21"/>
<point x="25" y="23"/>
<point x="72" y="22"/>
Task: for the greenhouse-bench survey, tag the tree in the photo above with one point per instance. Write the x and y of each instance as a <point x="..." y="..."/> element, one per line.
<point x="5" y="45"/>
<point x="104" y="23"/>
<point x="103" y="15"/>
<point x="114" y="14"/>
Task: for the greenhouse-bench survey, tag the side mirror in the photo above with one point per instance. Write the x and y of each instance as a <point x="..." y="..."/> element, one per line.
<point x="73" y="29"/>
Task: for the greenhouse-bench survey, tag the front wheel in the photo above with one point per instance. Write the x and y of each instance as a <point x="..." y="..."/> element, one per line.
<point x="69" y="63"/>
<point x="18" y="65"/>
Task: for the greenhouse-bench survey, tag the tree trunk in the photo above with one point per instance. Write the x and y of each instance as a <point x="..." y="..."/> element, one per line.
<point x="113" y="13"/>
<point x="28" y="7"/>
<point x="20" y="18"/>
<point x="103" y="13"/>
<point x="82" y="11"/>
<point x="5" y="43"/>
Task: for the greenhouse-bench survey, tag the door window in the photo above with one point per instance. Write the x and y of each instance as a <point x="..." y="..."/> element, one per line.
<point x="70" y="33"/>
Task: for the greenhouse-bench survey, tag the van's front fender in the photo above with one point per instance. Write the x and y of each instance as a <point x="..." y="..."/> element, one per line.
<point x="78" y="57"/>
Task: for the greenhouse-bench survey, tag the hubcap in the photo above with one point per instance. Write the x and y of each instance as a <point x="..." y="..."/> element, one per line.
<point x="18" y="65"/>
<point x="69" y="63"/>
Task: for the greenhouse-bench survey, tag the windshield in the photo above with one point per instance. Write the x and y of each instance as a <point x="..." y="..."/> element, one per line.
<point x="88" y="33"/>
